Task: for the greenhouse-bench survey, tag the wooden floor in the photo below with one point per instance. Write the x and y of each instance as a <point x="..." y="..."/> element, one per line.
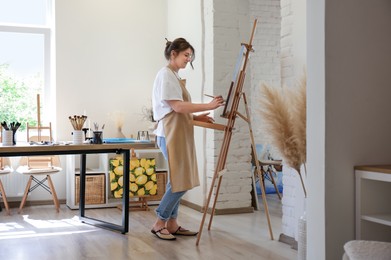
<point x="41" y="233"/>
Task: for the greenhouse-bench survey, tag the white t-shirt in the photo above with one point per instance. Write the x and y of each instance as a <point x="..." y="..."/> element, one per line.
<point x="166" y="87"/>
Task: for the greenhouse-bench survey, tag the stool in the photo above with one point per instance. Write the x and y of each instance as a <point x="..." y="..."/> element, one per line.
<point x="35" y="166"/>
<point x="4" y="169"/>
<point x="366" y="250"/>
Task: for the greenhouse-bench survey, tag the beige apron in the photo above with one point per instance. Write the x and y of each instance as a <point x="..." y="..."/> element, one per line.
<point x="182" y="161"/>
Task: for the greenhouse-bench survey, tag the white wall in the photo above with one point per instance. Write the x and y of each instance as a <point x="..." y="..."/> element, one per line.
<point x="293" y="62"/>
<point x="349" y="46"/>
<point x="184" y="20"/>
<point x="231" y="26"/>
<point x="215" y="29"/>
<point x="107" y="59"/>
<point x="265" y="62"/>
<point x="316" y="107"/>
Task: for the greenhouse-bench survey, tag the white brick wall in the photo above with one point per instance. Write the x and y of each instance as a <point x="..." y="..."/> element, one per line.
<point x="287" y="19"/>
<point x="272" y="62"/>
<point x="265" y="61"/>
<point x="293" y="199"/>
<point x="231" y="26"/>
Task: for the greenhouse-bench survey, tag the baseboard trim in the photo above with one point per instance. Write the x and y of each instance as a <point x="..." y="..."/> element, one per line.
<point x="217" y="211"/>
<point x="16" y="204"/>
<point x="288" y="240"/>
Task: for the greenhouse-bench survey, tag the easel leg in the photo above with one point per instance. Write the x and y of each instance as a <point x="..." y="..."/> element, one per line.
<point x="219" y="167"/>
<point x="214" y="203"/>
<point x="258" y="167"/>
<point x="206" y="209"/>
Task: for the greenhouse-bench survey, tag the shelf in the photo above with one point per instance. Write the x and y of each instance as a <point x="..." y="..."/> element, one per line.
<point x="103" y="168"/>
<point x="384" y="219"/>
<point x="373" y="209"/>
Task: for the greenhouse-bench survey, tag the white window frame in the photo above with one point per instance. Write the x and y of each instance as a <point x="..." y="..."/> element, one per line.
<point x="47" y="31"/>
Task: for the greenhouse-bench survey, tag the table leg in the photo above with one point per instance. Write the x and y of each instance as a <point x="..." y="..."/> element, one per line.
<point x="83" y="158"/>
<point x="124" y="228"/>
<point x="125" y="199"/>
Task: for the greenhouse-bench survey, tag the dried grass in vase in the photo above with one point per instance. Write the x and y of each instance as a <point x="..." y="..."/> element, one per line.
<point x="286" y="127"/>
<point x="299" y="113"/>
<point x="119" y="119"/>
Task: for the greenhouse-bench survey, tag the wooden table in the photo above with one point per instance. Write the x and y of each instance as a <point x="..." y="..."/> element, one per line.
<point x="83" y="150"/>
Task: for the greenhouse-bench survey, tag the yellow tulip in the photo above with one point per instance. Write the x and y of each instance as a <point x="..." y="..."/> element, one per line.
<point x="141" y="192"/>
<point x="118" y="193"/>
<point x="133" y="187"/>
<point x="142" y="179"/>
<point x="134" y="163"/>
<point x="152" y="162"/>
<point x="114" y="162"/>
<point x="147" y="165"/>
<point x="149" y="185"/>
<point x="121" y="181"/>
<point x="119" y="170"/>
<point x="150" y="171"/>
<point x="113" y="186"/>
<point x="142" y="162"/>
<point x="112" y="175"/>
<point x="152" y="191"/>
<point x="138" y="171"/>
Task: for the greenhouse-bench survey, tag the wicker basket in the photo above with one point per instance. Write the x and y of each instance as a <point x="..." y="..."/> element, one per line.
<point x="95" y="189"/>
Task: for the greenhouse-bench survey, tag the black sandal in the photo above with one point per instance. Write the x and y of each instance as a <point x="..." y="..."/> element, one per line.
<point x="159" y="234"/>
<point x="184" y="232"/>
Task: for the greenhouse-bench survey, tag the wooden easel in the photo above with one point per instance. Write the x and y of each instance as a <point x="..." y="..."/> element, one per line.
<point x="39" y="126"/>
<point x="235" y="94"/>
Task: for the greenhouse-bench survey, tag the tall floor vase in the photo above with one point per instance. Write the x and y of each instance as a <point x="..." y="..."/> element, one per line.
<point x="302" y="235"/>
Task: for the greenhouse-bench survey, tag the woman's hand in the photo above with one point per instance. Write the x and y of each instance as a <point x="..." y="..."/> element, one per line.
<point x="180" y="106"/>
<point x="217" y="101"/>
<point x="204" y="118"/>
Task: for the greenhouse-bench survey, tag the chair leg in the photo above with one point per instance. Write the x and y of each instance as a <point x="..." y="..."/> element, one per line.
<point x="2" y="191"/>
<point x="263" y="173"/>
<point x="26" y="193"/>
<point x="54" y="194"/>
<point x="274" y="183"/>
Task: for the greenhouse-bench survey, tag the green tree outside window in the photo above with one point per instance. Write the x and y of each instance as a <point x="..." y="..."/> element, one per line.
<point x="18" y="101"/>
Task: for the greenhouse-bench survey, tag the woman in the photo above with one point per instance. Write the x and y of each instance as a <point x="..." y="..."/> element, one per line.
<point x="172" y="108"/>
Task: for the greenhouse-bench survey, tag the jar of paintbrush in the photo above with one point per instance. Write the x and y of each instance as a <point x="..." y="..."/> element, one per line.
<point x="97" y="137"/>
<point x="9" y="133"/>
<point x="77" y="124"/>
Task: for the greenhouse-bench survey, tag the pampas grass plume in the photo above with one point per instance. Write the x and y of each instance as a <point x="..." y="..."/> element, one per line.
<point x="297" y="101"/>
<point x="284" y="116"/>
<point x="277" y="124"/>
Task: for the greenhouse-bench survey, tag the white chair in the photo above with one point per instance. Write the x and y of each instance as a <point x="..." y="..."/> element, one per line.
<point x="272" y="166"/>
<point x="364" y="250"/>
<point x="5" y="168"/>
<point x="39" y="166"/>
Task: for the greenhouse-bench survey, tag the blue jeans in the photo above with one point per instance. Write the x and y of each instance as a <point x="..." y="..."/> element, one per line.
<point x="168" y="207"/>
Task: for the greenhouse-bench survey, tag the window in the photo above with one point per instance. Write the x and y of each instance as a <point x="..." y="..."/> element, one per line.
<point x="26" y="40"/>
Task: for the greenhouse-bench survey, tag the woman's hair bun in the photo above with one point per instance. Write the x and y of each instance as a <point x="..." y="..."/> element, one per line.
<point x="168" y="43"/>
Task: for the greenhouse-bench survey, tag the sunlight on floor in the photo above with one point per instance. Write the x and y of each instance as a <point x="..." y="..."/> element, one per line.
<point x="34" y="228"/>
<point x="38" y="223"/>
